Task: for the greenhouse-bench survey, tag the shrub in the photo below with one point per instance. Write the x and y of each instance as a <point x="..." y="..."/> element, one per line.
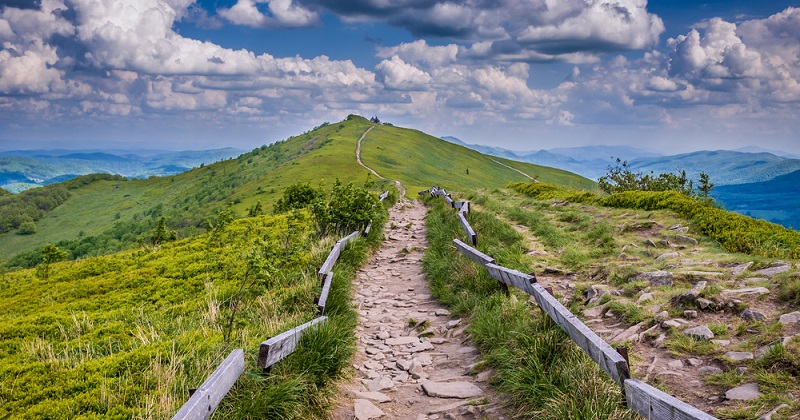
<point x="26" y="228"/>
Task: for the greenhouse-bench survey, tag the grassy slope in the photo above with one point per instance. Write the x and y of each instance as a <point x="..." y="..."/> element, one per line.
<point x="419" y="161"/>
<point x="318" y="156"/>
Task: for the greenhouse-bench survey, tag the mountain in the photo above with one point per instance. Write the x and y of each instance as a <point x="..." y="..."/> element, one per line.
<point x="725" y="167"/>
<point x="23" y="169"/>
<point x="97" y="215"/>
<point x="776" y="200"/>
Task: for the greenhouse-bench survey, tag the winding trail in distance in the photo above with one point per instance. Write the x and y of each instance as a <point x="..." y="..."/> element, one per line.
<point x="400" y="188"/>
<point x="501" y="163"/>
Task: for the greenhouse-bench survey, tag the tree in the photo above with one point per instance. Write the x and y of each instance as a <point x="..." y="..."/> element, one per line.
<point x="50" y="254"/>
<point x="162" y="234"/>
<point x="704" y="185"/>
<point x="255" y="210"/>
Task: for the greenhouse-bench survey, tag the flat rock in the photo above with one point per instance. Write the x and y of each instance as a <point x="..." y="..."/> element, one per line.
<point x="365" y="410"/>
<point x="709" y="370"/>
<point x="777" y="268"/>
<point x="683" y="239"/>
<point x="379" y="384"/>
<point x="373" y="396"/>
<point x="593" y="312"/>
<point x="745" y="292"/>
<point x="402" y="341"/>
<point x="739" y="356"/>
<point x="744" y="392"/>
<point x="751" y="315"/>
<point x="645" y="297"/>
<point x="790" y="318"/>
<point x="656" y="278"/>
<point x="739" y="269"/>
<point x="700" y="332"/>
<point x="451" y="389"/>
<point x="667" y="255"/>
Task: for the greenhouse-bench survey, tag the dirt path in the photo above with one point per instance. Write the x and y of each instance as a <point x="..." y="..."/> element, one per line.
<point x="413" y="358"/>
<point x="513" y="169"/>
<point x="358" y="154"/>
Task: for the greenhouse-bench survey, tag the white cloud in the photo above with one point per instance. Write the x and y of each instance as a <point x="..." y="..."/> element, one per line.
<point x="282" y="13"/>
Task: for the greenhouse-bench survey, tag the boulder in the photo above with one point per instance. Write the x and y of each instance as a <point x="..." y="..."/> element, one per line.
<point x="692" y="295"/>
<point x="667" y="255"/>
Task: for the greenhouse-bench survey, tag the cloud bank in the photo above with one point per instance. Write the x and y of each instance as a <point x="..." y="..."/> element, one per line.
<point x="73" y="60"/>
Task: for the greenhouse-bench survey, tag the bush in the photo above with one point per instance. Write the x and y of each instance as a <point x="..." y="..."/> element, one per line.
<point x="27" y="228"/>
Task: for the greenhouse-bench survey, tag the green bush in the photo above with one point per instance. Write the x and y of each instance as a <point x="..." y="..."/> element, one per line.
<point x="26" y="228"/>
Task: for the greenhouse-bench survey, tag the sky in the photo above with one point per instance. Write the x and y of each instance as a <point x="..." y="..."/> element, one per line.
<point x="666" y="75"/>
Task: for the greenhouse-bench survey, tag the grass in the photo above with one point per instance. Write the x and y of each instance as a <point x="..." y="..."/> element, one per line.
<point x="126" y="335"/>
<point x="630" y="312"/>
<point x="537" y="366"/>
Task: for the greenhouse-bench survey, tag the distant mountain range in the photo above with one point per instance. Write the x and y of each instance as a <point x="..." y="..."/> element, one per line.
<point x="23" y="169"/>
<point x="750" y="180"/>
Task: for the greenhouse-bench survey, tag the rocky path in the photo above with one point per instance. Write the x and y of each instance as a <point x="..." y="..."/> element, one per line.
<point x="358" y="154"/>
<point x="413" y="359"/>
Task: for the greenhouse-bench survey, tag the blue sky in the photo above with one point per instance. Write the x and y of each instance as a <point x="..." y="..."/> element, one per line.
<point x="671" y="76"/>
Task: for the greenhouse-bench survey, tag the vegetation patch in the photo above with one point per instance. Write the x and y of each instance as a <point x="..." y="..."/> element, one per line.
<point x="544" y="374"/>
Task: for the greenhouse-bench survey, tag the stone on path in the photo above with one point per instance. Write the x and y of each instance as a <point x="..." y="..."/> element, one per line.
<point x="656" y="278"/>
<point x="751" y="315"/>
<point x="790" y="318"/>
<point x="683" y="239"/>
<point x="739" y="269"/>
<point x="744" y="392"/>
<point x="739" y="356"/>
<point x="379" y="384"/>
<point x="402" y="341"/>
<point x="745" y="291"/>
<point x="777" y="268"/>
<point x="451" y="389"/>
<point x="374" y="396"/>
<point x="701" y="333"/>
<point x="365" y="410"/>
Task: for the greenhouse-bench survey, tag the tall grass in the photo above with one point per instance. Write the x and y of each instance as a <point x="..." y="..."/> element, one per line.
<point x="543" y="373"/>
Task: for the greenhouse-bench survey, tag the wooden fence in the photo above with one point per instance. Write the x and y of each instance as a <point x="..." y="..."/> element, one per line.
<point x="204" y="400"/>
<point x="642" y="398"/>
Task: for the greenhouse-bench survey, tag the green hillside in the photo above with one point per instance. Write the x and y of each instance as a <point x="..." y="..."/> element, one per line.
<point x="106" y="216"/>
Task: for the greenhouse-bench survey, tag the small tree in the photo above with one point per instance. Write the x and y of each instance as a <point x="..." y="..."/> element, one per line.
<point x="162" y="234"/>
<point x="255" y="210"/>
<point x="27" y="228"/>
<point x="704" y="185"/>
<point x="50" y="254"/>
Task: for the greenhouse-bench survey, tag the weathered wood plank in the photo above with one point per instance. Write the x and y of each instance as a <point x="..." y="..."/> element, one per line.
<point x="653" y="404"/>
<point x="511" y="277"/>
<point x="367" y="229"/>
<point x="331" y="260"/>
<point x="472" y="253"/>
<point x="448" y="200"/>
<point x="204" y="401"/>
<point x="383" y="196"/>
<point x="600" y="351"/>
<point x="468" y="229"/>
<point x="348" y="238"/>
<point x="462" y="206"/>
<point x="276" y="348"/>
<point x="323" y="295"/>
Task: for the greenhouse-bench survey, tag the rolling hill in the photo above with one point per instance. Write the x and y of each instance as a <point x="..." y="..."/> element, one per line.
<point x="105" y="216"/>
<point x="776" y="200"/>
<point x="23" y="169"/>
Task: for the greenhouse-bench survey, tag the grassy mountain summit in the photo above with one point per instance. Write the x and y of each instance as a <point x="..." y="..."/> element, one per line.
<point x="104" y="215"/>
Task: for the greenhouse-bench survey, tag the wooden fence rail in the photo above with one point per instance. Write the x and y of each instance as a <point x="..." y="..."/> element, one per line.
<point x="642" y="398"/>
<point x="204" y="401"/>
<point x="274" y="349"/>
